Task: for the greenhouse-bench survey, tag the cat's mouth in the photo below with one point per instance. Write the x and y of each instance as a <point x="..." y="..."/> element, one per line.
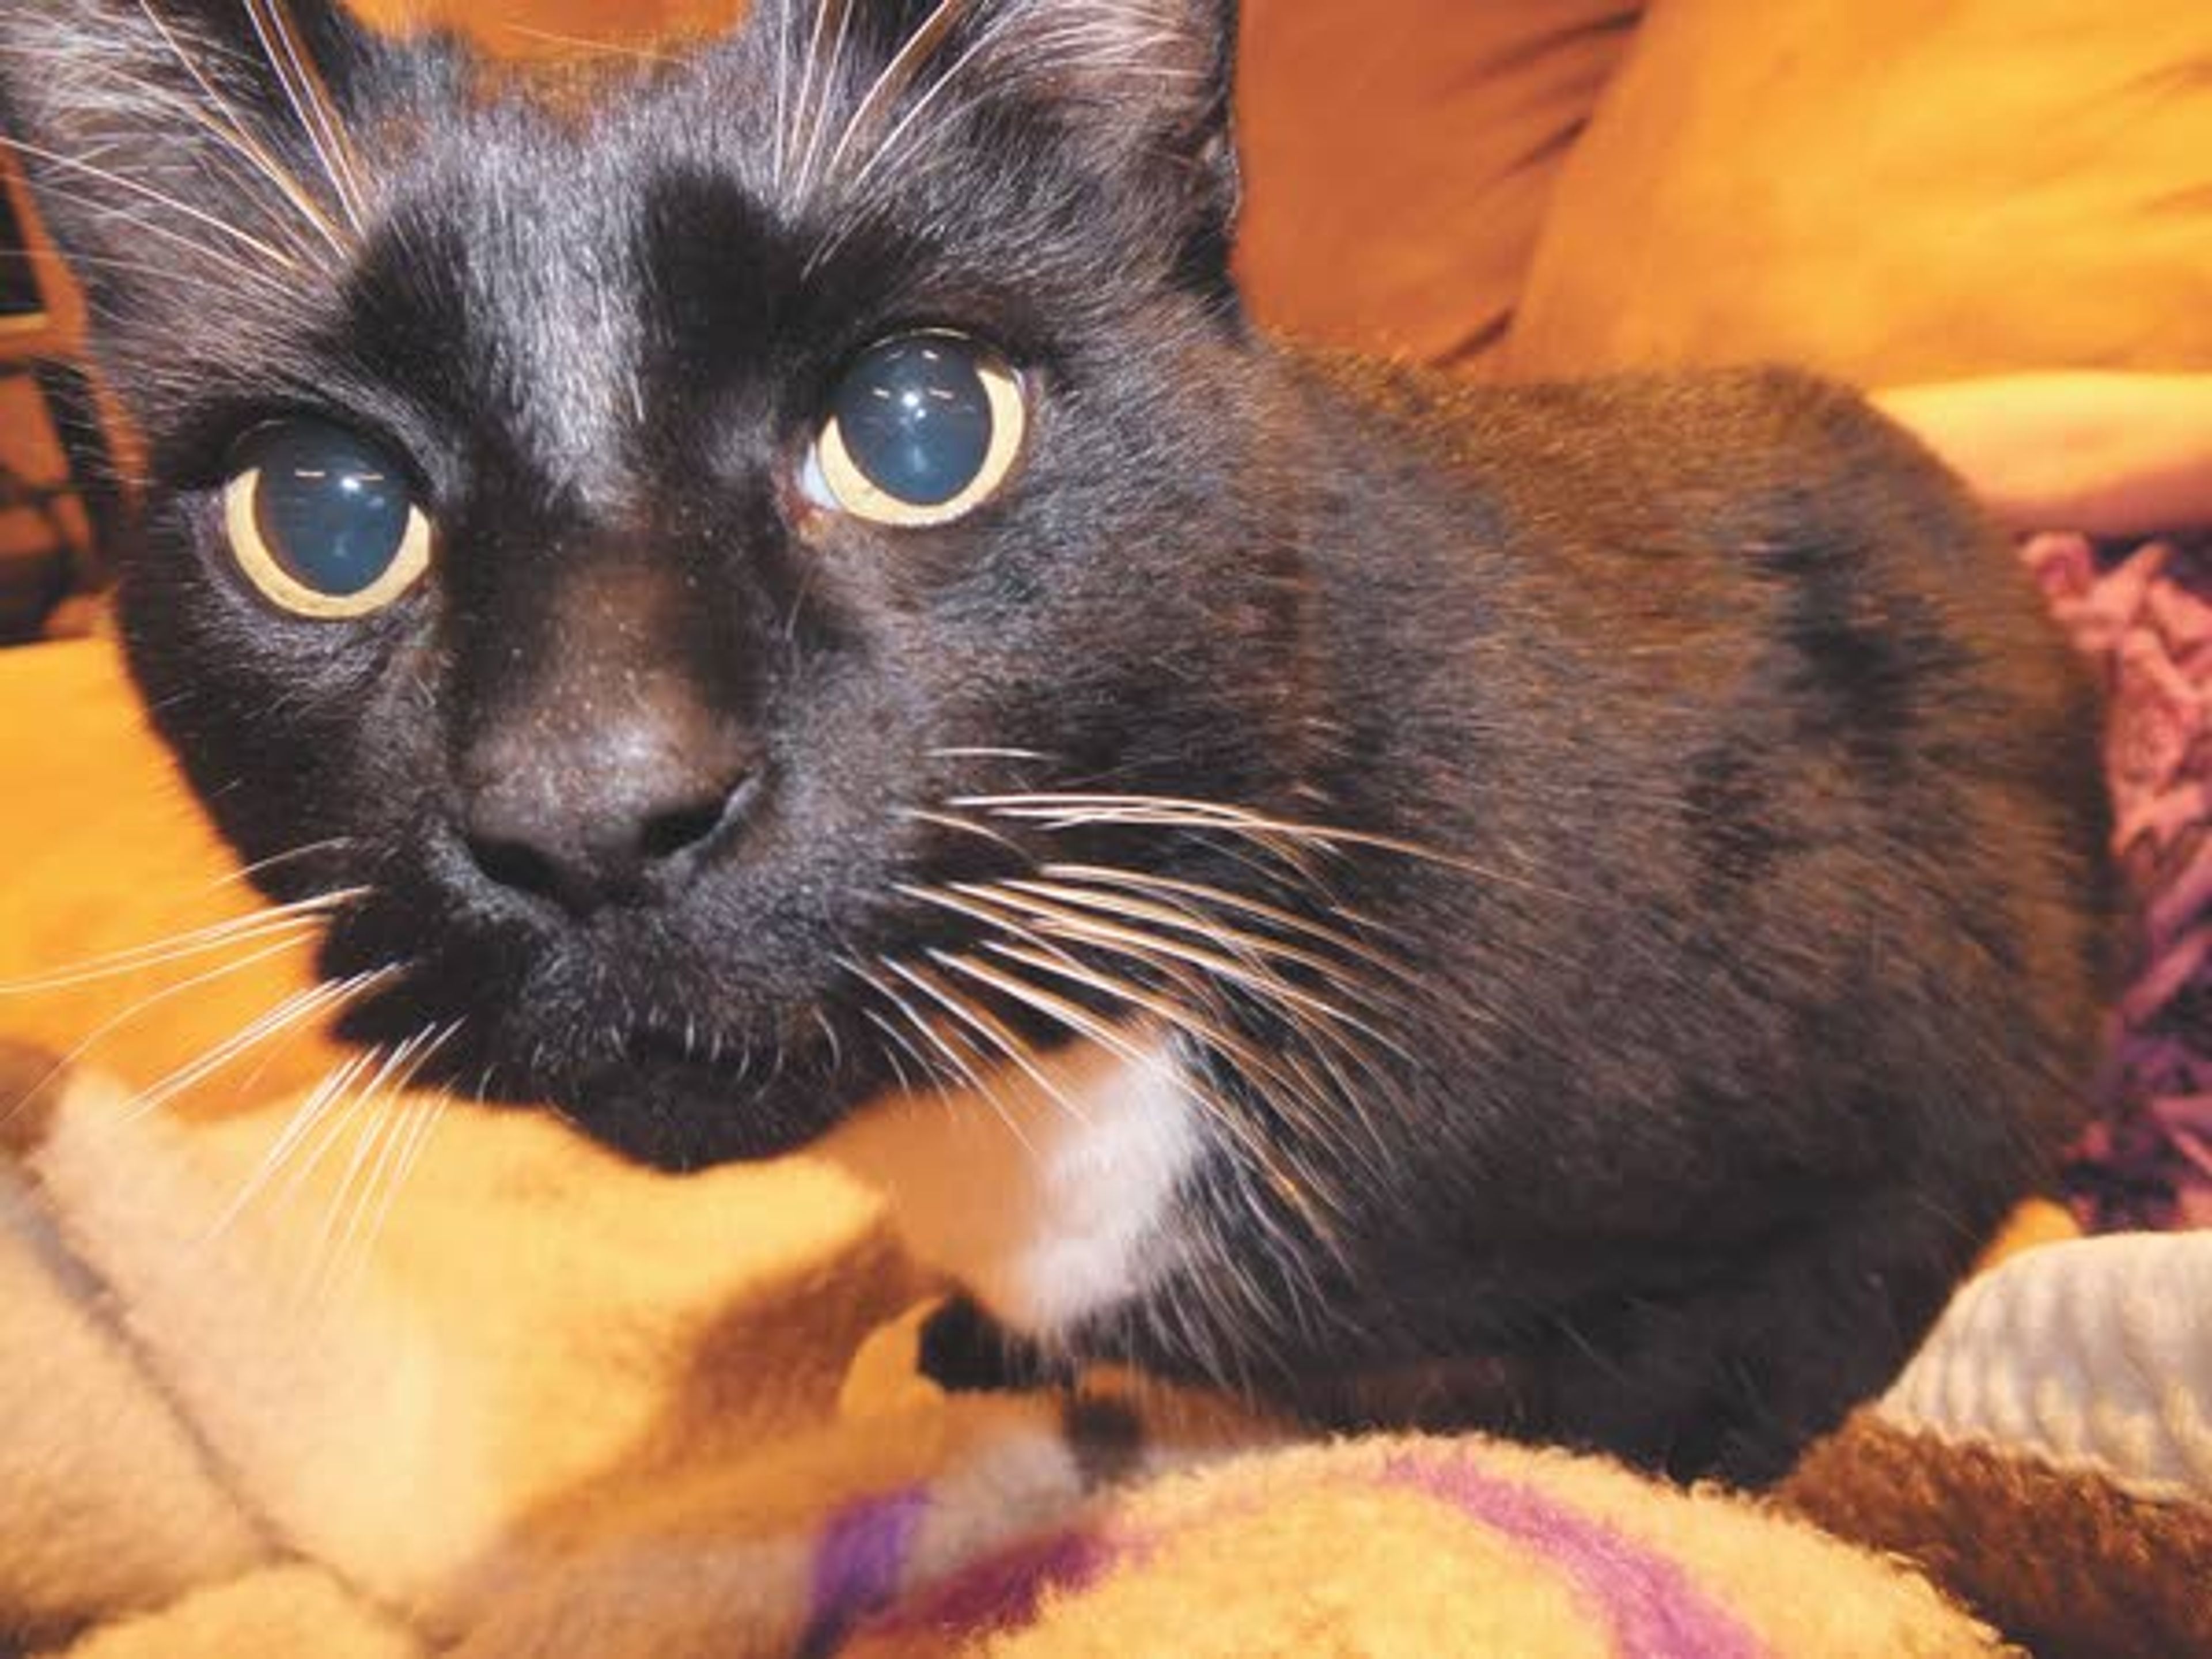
<point x="673" y="1096"/>
<point x="662" y="1107"/>
<point x="660" y="1100"/>
<point x="681" y="1038"/>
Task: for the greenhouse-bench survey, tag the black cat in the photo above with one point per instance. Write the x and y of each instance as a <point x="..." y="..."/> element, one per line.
<point x="785" y="599"/>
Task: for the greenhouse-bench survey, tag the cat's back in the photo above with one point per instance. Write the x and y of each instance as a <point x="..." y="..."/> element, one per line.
<point x="1695" y="482"/>
<point x="1746" y="663"/>
<point x="1760" y="535"/>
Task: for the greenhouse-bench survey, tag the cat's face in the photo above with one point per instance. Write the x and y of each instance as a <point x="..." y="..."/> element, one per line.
<point x="615" y="529"/>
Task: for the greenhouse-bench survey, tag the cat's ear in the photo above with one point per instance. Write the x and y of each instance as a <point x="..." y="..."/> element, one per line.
<point x="1162" y="74"/>
<point x="1144" y="87"/>
<point x="198" y="147"/>
<point x="1165" y="70"/>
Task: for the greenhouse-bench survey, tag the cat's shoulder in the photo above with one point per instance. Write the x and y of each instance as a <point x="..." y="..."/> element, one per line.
<point x="1749" y="406"/>
<point x="1769" y="440"/>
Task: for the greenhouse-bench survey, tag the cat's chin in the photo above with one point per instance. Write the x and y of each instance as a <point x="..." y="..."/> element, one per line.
<point x="677" y="1117"/>
<point x="672" y="1099"/>
<point x="650" y="1104"/>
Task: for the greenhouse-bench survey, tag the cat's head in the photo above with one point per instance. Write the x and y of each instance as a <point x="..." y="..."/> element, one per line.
<point x="618" y="527"/>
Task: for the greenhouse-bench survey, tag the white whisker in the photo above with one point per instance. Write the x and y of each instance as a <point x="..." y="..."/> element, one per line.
<point x="114" y="1022"/>
<point x="962" y="826"/>
<point x="830" y="1036"/>
<point x="893" y="79"/>
<point x="991" y="1031"/>
<point x="319" y="1104"/>
<point x="801" y="111"/>
<point x="425" y="1119"/>
<point x="1253" y="1140"/>
<point x="293" y="1011"/>
<point x="783" y="100"/>
<point x="1076" y="810"/>
<point x="889" y="150"/>
<point x="926" y="1029"/>
<point x="991" y="754"/>
<point x="266" y="249"/>
<point x="231" y="130"/>
<point x="369" y="1144"/>
<point x="832" y="77"/>
<point x="305" y="914"/>
<point x="1283" y="1077"/>
<point x="1203" y="893"/>
<point x="1063" y="921"/>
<point x="901" y="1042"/>
<point x="304" y="91"/>
<point x="277" y="860"/>
<point x="396" y="1125"/>
<point x="590" y="44"/>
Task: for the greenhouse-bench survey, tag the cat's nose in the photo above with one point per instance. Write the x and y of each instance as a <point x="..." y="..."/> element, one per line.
<point x="612" y="809"/>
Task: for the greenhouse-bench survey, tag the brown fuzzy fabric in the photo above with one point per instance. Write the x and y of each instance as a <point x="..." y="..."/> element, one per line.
<point x="2066" y="1564"/>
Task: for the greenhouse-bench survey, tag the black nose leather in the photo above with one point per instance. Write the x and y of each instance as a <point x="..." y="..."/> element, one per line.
<point x="590" y="806"/>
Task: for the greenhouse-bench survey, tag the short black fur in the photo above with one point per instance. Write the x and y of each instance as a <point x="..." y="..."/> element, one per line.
<point x="1651" y="900"/>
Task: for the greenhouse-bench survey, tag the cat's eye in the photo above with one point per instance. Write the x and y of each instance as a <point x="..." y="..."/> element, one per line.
<point x="922" y="429"/>
<point x="322" y="521"/>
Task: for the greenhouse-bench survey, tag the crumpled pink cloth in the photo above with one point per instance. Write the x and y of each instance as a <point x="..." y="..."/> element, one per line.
<point x="2144" y="613"/>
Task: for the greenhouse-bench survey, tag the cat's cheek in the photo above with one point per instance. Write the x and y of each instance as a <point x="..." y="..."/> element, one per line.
<point x="277" y="718"/>
<point x="867" y="571"/>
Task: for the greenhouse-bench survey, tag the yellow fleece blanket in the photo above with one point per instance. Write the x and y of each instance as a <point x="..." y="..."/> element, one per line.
<point x="541" y="1404"/>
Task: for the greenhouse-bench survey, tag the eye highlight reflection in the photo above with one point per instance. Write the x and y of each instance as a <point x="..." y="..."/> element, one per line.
<point x="922" y="430"/>
<point x="322" y="521"/>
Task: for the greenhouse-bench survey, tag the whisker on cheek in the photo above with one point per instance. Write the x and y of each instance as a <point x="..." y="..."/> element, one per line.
<point x="424" y="1119"/>
<point x="902" y="1044"/>
<point x="266" y="249"/>
<point x="991" y="1031"/>
<point x="963" y="1070"/>
<point x="278" y="861"/>
<point x="964" y="827"/>
<point x="830" y="1036"/>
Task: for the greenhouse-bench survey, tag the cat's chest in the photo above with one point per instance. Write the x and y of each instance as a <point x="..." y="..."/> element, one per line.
<point x="1051" y="1192"/>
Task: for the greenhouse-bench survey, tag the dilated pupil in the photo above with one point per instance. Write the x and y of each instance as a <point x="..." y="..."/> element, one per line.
<point x="331" y="510"/>
<point x="916" y="419"/>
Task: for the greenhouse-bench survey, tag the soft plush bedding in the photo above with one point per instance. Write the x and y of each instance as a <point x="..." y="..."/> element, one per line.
<point x="557" y="1408"/>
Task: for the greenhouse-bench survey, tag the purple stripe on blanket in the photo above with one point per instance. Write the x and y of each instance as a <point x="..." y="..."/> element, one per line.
<point x="1005" y="1592"/>
<point x="1654" y="1609"/>
<point x="859" y="1567"/>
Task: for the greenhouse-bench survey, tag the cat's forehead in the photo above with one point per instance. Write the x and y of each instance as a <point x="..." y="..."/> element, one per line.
<point x="594" y="271"/>
<point x="466" y="257"/>
<point x="325" y="185"/>
<point x="583" y="270"/>
<point x="523" y="187"/>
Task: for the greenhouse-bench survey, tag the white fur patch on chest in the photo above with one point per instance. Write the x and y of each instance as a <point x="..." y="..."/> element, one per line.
<point x="1049" y="1196"/>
